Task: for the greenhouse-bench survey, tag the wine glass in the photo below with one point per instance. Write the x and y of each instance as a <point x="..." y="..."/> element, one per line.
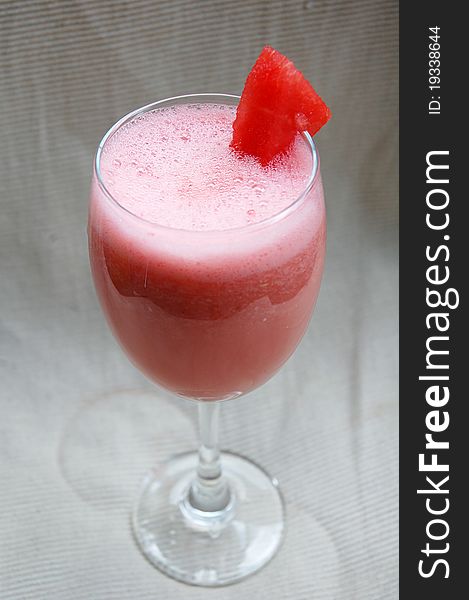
<point x="208" y="315"/>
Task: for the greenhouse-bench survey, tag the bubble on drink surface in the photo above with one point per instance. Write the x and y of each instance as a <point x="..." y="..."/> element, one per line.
<point x="259" y="189"/>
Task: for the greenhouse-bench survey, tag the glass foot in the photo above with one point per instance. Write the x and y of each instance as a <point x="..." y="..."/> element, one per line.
<point x="209" y="548"/>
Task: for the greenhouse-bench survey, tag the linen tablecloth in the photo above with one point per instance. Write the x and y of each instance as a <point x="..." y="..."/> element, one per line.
<point x="79" y="426"/>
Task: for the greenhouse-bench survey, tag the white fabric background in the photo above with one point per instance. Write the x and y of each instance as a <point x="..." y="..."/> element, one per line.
<point x="79" y="425"/>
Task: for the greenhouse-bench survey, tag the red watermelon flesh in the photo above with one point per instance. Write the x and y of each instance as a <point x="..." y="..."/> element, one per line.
<point x="277" y="103"/>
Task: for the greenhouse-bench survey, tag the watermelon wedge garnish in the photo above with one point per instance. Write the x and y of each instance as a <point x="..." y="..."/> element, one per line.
<point x="277" y="103"/>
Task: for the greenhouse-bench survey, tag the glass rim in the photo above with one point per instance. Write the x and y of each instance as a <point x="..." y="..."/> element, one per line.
<point x="177" y="99"/>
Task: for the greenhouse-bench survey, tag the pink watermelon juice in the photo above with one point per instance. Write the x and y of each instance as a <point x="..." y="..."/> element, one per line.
<point x="207" y="263"/>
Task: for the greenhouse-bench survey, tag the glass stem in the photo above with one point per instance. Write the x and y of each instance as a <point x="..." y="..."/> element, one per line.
<point x="210" y="491"/>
